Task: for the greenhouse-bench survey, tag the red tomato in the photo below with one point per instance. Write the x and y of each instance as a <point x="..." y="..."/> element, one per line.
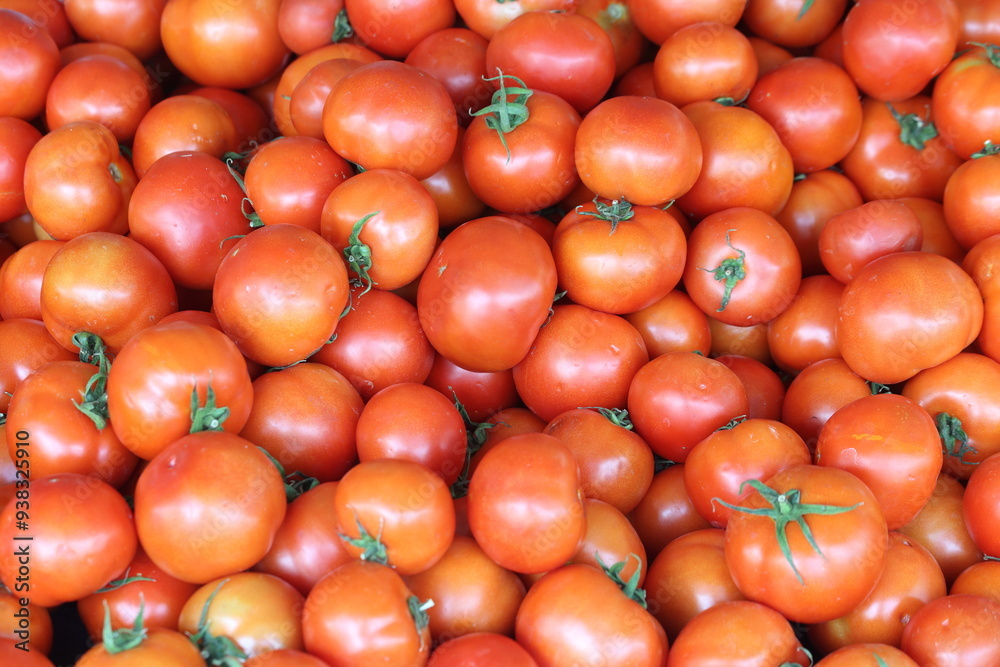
<point x="806" y="331"/>
<point x="969" y="196"/>
<point x="82" y="534"/>
<point x="27" y="347"/>
<point x="305" y="25"/>
<point x="765" y="389"/>
<point x="954" y="630"/>
<point x="768" y="54"/>
<point x="852" y="239"/>
<point x="795" y="23"/>
<point x="394" y="29"/>
<point x="672" y="324"/>
<point x="965" y="102"/>
<point x="916" y="309"/>
<point x="285" y="657"/>
<point x="457" y="58"/>
<point x="49" y="15"/>
<point x="157" y="644"/>
<point x="615" y="18"/>
<point x="481" y="648"/>
<point x="133" y="25"/>
<point x="980" y="505"/>
<point x="208" y="506"/>
<point x="610" y="539"/>
<point x="666" y="511"/>
<point x="488" y="16"/>
<point x="368" y="119"/>
<point x="30" y="60"/>
<point x="892" y="53"/>
<point x="979" y="579"/>
<point x="819" y="390"/>
<point x="658" y="19"/>
<point x="640" y="149"/>
<point x="305" y="107"/>
<point x="938" y="238"/>
<point x="704" y="61"/>
<point x="867" y="655"/>
<point x="21" y="280"/>
<point x="481" y="394"/>
<point x="183" y="123"/>
<point x="17" y="137"/>
<point x="449" y="187"/>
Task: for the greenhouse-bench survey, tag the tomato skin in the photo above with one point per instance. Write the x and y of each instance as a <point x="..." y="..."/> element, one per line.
<point x="893" y="54"/>
<point x="27" y="347"/>
<point x="557" y="629"/>
<point x="160" y="648"/>
<point x="457" y="58"/>
<point x="819" y="390"/>
<point x="672" y="324"/>
<point x="357" y="615"/>
<point x="978" y="579"/>
<point x="965" y="102"/>
<point x="969" y="197"/>
<point x="84" y="537"/>
<point x="208" y="505"/>
<point x="21" y="280"/>
<point x="18" y="137"/>
<point x="31" y="60"/>
<point x="852" y="239"/>
<point x="852" y="543"/>
<point x="954" y="630"/>
<point x="306" y="25"/>
<point x="95" y="181"/>
<point x="640" y="149"/>
<point x="615" y="18"/>
<point x="806" y="331"/>
<point x="704" y="61"/>
<point x="488" y="16"/>
<point x="481" y="394"/>
<point x="526" y="505"/>
<point x="481" y="649"/>
<point x="980" y="503"/>
<point x="368" y="120"/>
<point x="770" y="263"/>
<point x="658" y="19"/>
<point x="183" y="123"/>
<point x="867" y="655"/>
<point x="305" y="106"/>
<point x="152" y="378"/>
<point x="502" y="271"/>
<point x="784" y="22"/>
<point x="920" y="308"/>
<point x="765" y="389"/>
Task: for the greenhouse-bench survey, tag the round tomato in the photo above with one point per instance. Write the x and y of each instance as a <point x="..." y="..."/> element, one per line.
<point x="980" y="505"/>
<point x="793" y="23"/>
<point x="21" y="280"/>
<point x="394" y="29"/>
<point x="134" y="25"/>
<point x="704" y="61"/>
<point x="17" y="137"/>
<point x="30" y="60"/>
<point x="183" y="123"/>
<point x="852" y="239"/>
<point x="806" y="331"/>
<point x="965" y="102"/>
<point x="954" y="630"/>
<point x="484" y="648"/>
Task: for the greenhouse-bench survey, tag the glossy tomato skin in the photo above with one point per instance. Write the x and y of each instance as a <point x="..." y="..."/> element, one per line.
<point x="133" y="25"/>
<point x="394" y="30"/>
<point x="893" y="54"/>
<point x="816" y="392"/>
<point x="21" y="280"/>
<point x="499" y="269"/>
<point x="183" y="123"/>
<point x="704" y="61"/>
<point x="27" y="347"/>
<point x="791" y="24"/>
<point x="31" y="60"/>
<point x="666" y="511"/>
<point x="672" y="324"/>
<point x="979" y="505"/>
<point x="856" y="655"/>
<point x="487" y="17"/>
<point x="954" y="630"/>
<point x="160" y="648"/>
<point x="305" y="105"/>
<point x="18" y="138"/>
<point x="83" y="537"/>
<point x="208" y="506"/>
<point x="806" y="331"/>
<point x="481" y="394"/>
<point x="659" y="19"/>
<point x="852" y="239"/>
<point x="526" y="504"/>
<point x="481" y="648"/>
<point x="965" y="102"/>
<point x="555" y="627"/>
<point x="679" y="398"/>
<point x="853" y="545"/>
<point x="765" y="388"/>
<point x="918" y="308"/>
<point x="457" y="58"/>
<point x="968" y="198"/>
<point x="616" y="20"/>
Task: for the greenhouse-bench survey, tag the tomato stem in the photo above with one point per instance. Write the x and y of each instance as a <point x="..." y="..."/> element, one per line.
<point x="95" y="394"/>
<point x="374" y="550"/>
<point x="342" y="28"/>
<point x="617" y="416"/>
<point x="123" y="639"/>
<point x="124" y="581"/>
<point x="250" y="214"/>
<point x="206" y="417"/>
<point x="736" y="421"/>
<point x="879" y="388"/>
<point x="786" y="508"/>
<point x="359" y="255"/>
<point x="631" y="587"/>
<point x="475" y="437"/>
<point x="954" y="439"/>
<point x="221" y="651"/>
<point x="992" y="51"/>
<point x="806" y="6"/>
<point x="418" y="612"/>
<point x="914" y="131"/>
<point x="989" y="148"/>
<point x="296" y="483"/>
<point x="617" y="211"/>
<point x="731" y="271"/>
<point x="507" y="114"/>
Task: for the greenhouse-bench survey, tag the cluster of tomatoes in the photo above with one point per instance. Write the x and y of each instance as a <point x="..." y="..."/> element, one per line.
<point x="514" y="333"/>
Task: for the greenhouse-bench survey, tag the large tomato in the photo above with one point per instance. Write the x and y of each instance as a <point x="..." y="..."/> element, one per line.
<point x="793" y="22"/>
<point x="965" y="102"/>
<point x="393" y="29"/>
<point x="183" y="123"/>
<point x="707" y="60"/>
<point x="954" y="630"/>
<point x="30" y="60"/>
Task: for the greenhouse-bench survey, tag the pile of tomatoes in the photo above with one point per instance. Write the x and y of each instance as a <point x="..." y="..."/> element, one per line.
<point x="514" y="333"/>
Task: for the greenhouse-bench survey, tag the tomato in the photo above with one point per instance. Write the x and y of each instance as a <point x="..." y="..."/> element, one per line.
<point x="38" y="631"/>
<point x="27" y="347"/>
<point x="285" y="657"/>
<point x="867" y="655"/>
<point x="616" y="465"/>
<point x="555" y="627"/>
<point x="305" y="105"/>
<point x="672" y="324"/>
<point x="10" y="651"/>
<point x="979" y="505"/>
<point x="937" y="236"/>
<point x="965" y="102"/>
<point x="815" y="580"/>
<point x="49" y="15"/>
<point x="819" y="390"/>
<point x="637" y="82"/>
<point x="954" y="630"/>
<point x="305" y="25"/>
<point x="413" y="422"/>
<point x="154" y="378"/>
<point x="531" y="521"/>
<point x="969" y="196"/>
<point x="21" y="280"/>
<point x="457" y="58"/>
<point x="806" y="331"/>
<point x="30" y="60"/>
<point x="666" y="511"/>
<point x="658" y="19"/>
<point x="502" y="271"/>
<point x="369" y="120"/>
<point x="704" y="61"/>
<point x="481" y="394"/>
<point x="78" y="168"/>
<point x="106" y="284"/>
<point x="765" y="389"/>
<point x="183" y="123"/>
<point x="471" y="593"/>
<point x="258" y="612"/>
<point x="610" y="539"/>
<point x="160" y="596"/>
<point x="132" y="25"/>
<point x="231" y="46"/>
<point x="18" y="137"/>
<point x="739" y="630"/>
<point x="488" y="16"/>
<point x="393" y="29"/>
<point x="919" y="309"/>
<point x="679" y="398"/>
<point x="911" y="579"/>
<point x="892" y="53"/>
<point x="362" y="613"/>
<point x="618" y="258"/>
<point x="385" y="224"/>
<point x="978" y="579"/>
<point x="643" y="150"/>
<point x="248" y="116"/>
<point x="615" y="18"/>
<point x="768" y="54"/>
<point x="745" y="341"/>
<point x="581" y="358"/>
<point x="852" y="239"/>
<point x="718" y="466"/>
<point x="481" y="648"/>
<point x="814" y="199"/>
<point x="813" y="105"/>
<point x="688" y="576"/>
<point x="793" y="23"/>
<point x="195" y="188"/>
<point x="742" y="267"/>
<point x="83" y="536"/>
<point x="208" y="505"/>
<point x="158" y="646"/>
<point x="744" y="162"/>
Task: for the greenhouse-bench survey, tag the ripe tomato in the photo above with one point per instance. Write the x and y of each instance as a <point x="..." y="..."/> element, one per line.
<point x="306" y="25"/>
<point x="393" y="29"/>
<point x="449" y="187"/>
<point x="765" y="389"/>
<point x="744" y="341"/>
<point x="969" y="196"/>
<point x="285" y="657"/>
<point x="30" y="60"/>
<point x="658" y="19"/>
<point x="17" y="137"/>
<point x="769" y="55"/>
<point x="917" y="309"/>
<point x="208" y="506"/>
<point x="526" y="504"/>
<point x="457" y="58"/>
<point x="27" y="347"/>
<point x="610" y="539"/>
<point x="132" y="25"/>
<point x="499" y="269"/>
<point x="704" y="61"/>
<point x="82" y="534"/>
<point x="980" y="503"/>
<point x="615" y="18"/>
<point x="21" y="280"/>
<point x="481" y="394"/>
<point x="978" y="579"/>
<point x="893" y="53"/>
<point x="305" y="106"/>
<point x="815" y="579"/>
<point x="806" y="331"/>
<point x="666" y="511"/>
<point x="965" y="101"/>
<point x="672" y="324"/>
<point x="183" y="123"/>
<point x="742" y="267"/>
<point x="488" y="16"/>
<point x="484" y="648"/>
<point x="154" y="378"/>
<point x="49" y="15"/>
<point x="867" y="655"/>
<point x="819" y="390"/>
<point x="852" y="239"/>
<point x="793" y="23"/>
<point x="77" y="181"/>
<point x="369" y="120"/>
<point x="157" y="646"/>
<point x="640" y="149"/>
<point x="954" y="630"/>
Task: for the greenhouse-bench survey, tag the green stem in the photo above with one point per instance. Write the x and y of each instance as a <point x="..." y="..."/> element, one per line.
<point x="954" y="439"/>
<point x="124" y="581"/>
<point x="250" y="214"/>
<point x="617" y="211"/>
<point x="371" y="545"/>
<point x="731" y="271"/>
<point x="206" y="417"/>
<point x="507" y="114"/>
<point x="631" y="587"/>
<point x="342" y="28"/>
<point x="217" y="651"/>
<point x="806" y="6"/>
<point x="123" y="639"/>
<point x="992" y="52"/>
<point x="359" y="255"/>
<point x="418" y="612"/>
<point x="914" y="131"/>
<point x="95" y="393"/>
<point x="989" y="148"/>
<point x="296" y="483"/>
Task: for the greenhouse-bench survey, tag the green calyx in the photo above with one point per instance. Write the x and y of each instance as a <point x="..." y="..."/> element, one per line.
<point x="418" y="612"/>
<point x="878" y="388"/>
<point x="217" y="651"/>
<point x="246" y="206"/>
<point x="507" y="114"/>
<point x="617" y="416"/>
<point x="123" y="639"/>
<point x="806" y="6"/>
<point x="731" y="271"/>
<point x="342" y="28"/>
<point x="372" y="548"/>
<point x="914" y="131"/>
<point x="208" y="417"/>
<point x="786" y="508"/>
<point x="296" y="483"/>
<point x="954" y="439"/>
<point x="359" y="255"/>
<point x="989" y="148"/>
<point x="992" y="52"/>
<point x="124" y="581"/>
<point x="629" y="588"/>
<point x="475" y="437"/>
<point x="736" y="421"/>
<point x="617" y="211"/>
<point x="95" y="393"/>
